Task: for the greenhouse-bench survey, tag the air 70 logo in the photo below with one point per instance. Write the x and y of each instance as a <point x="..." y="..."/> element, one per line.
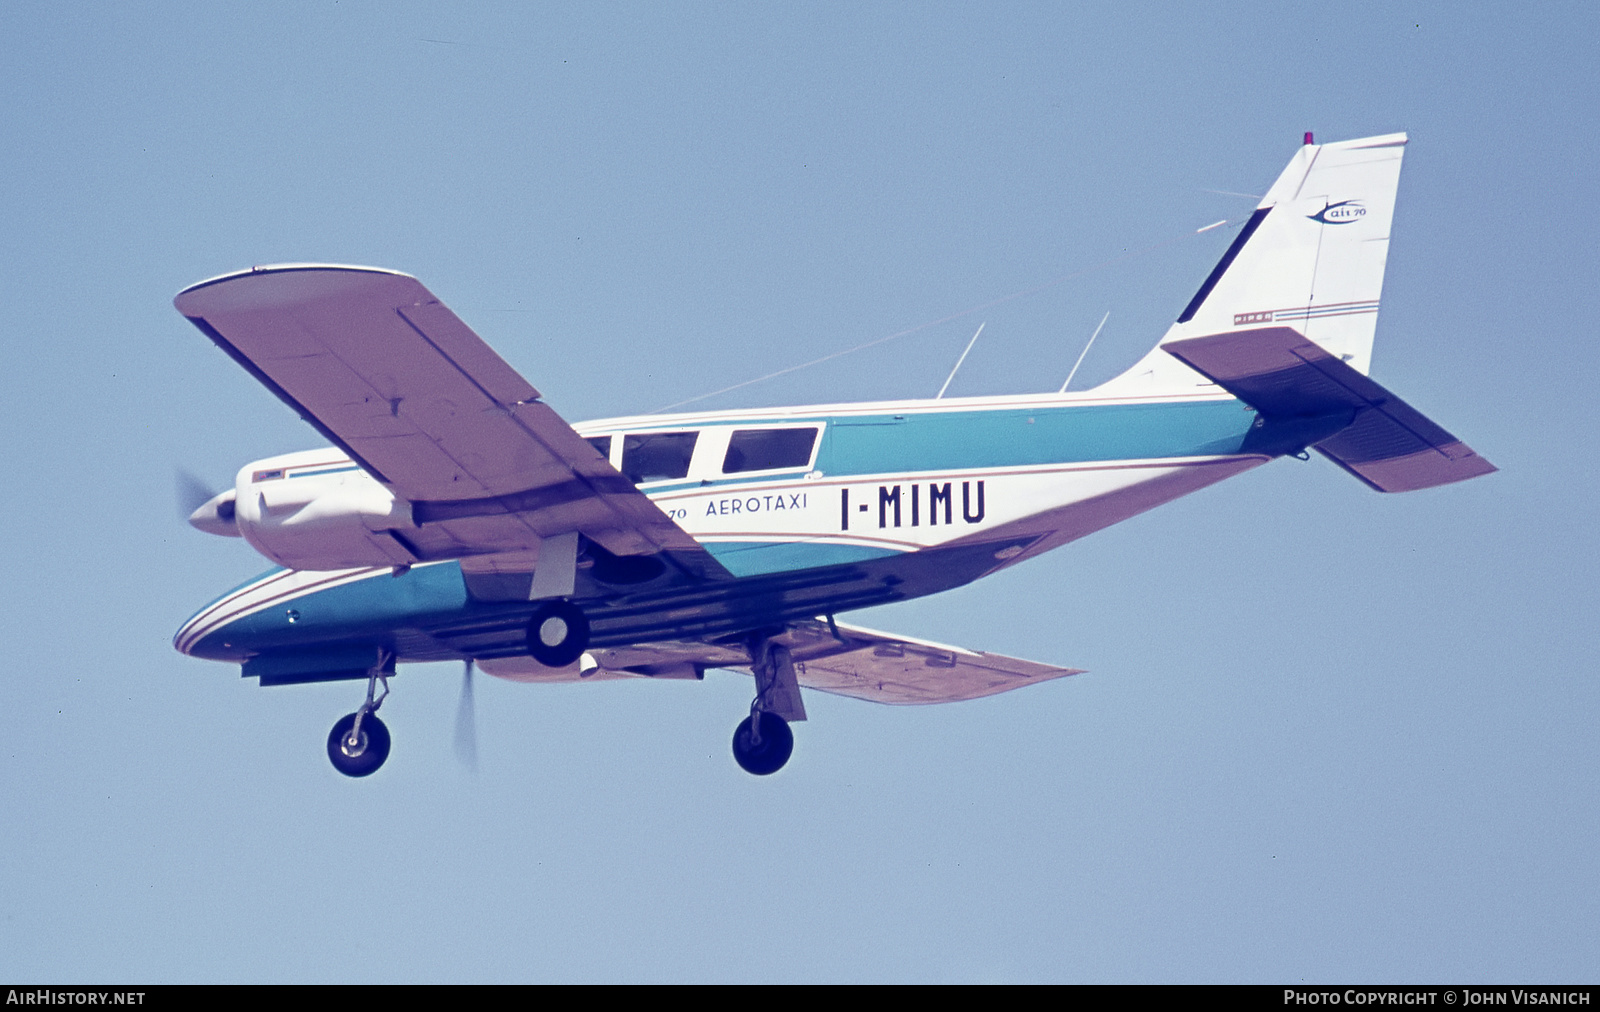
<point x="1345" y="212"/>
<point x="902" y="505"/>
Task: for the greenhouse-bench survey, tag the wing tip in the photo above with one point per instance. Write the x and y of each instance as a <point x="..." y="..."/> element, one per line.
<point x="283" y="268"/>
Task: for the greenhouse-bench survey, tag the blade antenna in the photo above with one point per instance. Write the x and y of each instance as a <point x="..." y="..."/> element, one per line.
<point x="1083" y="353"/>
<point x="960" y="360"/>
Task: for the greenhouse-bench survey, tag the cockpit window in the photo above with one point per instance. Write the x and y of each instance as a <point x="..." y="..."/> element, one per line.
<point x="657" y="456"/>
<point x="768" y="449"/>
<point x="602" y="445"/>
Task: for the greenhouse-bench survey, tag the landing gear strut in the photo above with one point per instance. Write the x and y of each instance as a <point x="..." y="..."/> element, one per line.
<point x="359" y="742"/>
<point x="762" y="743"/>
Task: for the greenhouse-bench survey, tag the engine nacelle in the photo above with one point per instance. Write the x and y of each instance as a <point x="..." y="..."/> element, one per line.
<point x="317" y="510"/>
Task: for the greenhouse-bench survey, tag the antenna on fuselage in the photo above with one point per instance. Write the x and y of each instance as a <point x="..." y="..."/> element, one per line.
<point x="960" y="360"/>
<point x="1084" y="352"/>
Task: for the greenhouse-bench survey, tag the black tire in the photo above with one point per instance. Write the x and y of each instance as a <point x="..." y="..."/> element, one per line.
<point x="369" y="755"/>
<point x="777" y="743"/>
<point x="563" y="622"/>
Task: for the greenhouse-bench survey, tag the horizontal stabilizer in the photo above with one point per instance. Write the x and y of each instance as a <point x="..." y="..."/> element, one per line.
<point x="1388" y="444"/>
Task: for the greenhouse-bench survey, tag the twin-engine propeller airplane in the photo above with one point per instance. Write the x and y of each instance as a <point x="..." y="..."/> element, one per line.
<point x="461" y="518"/>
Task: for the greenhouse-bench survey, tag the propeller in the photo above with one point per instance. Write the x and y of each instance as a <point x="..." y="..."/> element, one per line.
<point x="191" y="492"/>
<point x="467" y="721"/>
<point x="193" y="495"/>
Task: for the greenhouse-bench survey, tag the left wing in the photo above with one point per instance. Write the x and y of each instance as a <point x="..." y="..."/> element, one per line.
<point x="841" y="659"/>
<point x="386" y="372"/>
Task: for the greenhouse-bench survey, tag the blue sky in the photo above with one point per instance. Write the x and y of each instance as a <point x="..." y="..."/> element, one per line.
<point x="1325" y="734"/>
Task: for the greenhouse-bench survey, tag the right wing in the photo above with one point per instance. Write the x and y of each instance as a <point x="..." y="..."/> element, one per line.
<point x="387" y="373"/>
<point x="841" y="659"/>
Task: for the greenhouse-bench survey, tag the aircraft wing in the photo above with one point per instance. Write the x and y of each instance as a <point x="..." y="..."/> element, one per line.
<point x="841" y="659"/>
<point x="387" y="373"/>
<point x="884" y="668"/>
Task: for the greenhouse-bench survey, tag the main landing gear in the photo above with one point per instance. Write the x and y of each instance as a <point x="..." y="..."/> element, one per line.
<point x="359" y="742"/>
<point x="558" y="634"/>
<point x="762" y="743"/>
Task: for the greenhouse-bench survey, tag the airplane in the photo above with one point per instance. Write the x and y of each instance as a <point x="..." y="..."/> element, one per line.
<point x="457" y="516"/>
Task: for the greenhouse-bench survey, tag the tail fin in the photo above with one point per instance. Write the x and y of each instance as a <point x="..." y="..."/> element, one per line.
<point x="1310" y="258"/>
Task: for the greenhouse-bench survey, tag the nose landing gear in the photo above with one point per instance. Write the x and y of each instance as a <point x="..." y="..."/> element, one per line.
<point x="359" y="742"/>
<point x="358" y="751"/>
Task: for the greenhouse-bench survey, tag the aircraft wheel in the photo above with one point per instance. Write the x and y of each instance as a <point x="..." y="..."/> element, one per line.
<point x="363" y="756"/>
<point x="774" y="749"/>
<point x="558" y="634"/>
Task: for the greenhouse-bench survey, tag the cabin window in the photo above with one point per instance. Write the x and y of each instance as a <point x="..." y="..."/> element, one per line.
<point x="768" y="449"/>
<point x="602" y="445"/>
<point x="657" y="456"/>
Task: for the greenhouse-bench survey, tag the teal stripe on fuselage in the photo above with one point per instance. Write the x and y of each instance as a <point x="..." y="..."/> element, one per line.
<point x="372" y="607"/>
<point x="957" y="440"/>
<point x="974" y="439"/>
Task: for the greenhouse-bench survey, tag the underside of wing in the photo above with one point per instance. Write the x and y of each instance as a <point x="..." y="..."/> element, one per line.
<point x="852" y="661"/>
<point x="385" y="371"/>
<point x="830" y="657"/>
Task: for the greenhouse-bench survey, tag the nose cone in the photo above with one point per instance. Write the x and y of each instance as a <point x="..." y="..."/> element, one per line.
<point x="216" y="516"/>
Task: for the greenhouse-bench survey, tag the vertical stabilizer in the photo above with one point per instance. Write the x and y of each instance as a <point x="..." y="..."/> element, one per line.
<point x="1310" y="258"/>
